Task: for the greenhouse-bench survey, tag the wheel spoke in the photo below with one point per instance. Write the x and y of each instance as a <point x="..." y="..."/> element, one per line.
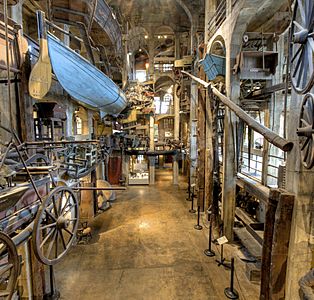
<point x="306" y="68"/>
<point x="309" y="157"/>
<point x="67" y="211"/>
<point x="298" y="25"/>
<point x="301" y="69"/>
<point x="309" y="116"/>
<point x="311" y="42"/>
<point x="47" y="237"/>
<point x="297" y="53"/>
<point x="47" y="226"/>
<point x="68" y="231"/>
<point x="51" y="244"/>
<point x="302" y="12"/>
<point x="298" y="64"/>
<point x="62" y="240"/>
<point x="305" y="143"/>
<point x="54" y="205"/>
<point x="65" y="205"/>
<point x="51" y="215"/>
<point x="6" y="269"/>
<point x="310" y="57"/>
<point x="60" y="202"/>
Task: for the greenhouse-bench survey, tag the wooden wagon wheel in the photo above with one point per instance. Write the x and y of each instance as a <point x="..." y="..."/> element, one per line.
<point x="9" y="266"/>
<point x="301" y="46"/>
<point x="55" y="225"/>
<point x="306" y="131"/>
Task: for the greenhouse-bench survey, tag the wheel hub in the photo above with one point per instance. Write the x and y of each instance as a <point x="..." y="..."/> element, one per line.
<point x="301" y="36"/>
<point x="62" y="223"/>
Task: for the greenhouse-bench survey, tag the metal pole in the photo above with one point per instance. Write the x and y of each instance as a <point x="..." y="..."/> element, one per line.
<point x="208" y="252"/>
<point x="198" y="226"/>
<point x="192" y="210"/>
<point x="230" y="292"/>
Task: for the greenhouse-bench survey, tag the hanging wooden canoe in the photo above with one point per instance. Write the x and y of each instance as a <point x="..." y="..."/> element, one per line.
<point x="83" y="81"/>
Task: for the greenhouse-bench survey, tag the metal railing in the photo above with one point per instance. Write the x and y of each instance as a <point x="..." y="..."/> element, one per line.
<point x="218" y="18"/>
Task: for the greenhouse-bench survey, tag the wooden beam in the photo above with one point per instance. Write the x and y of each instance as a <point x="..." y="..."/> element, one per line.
<point x="280" y="245"/>
<point x="269" y="135"/>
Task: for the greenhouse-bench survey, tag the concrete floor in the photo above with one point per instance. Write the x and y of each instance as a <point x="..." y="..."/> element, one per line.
<point x="145" y="247"/>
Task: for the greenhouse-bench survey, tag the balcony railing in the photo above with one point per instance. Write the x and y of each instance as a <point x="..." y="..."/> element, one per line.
<point x="218" y="18"/>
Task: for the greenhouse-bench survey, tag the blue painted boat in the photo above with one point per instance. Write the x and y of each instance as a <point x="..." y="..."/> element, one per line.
<point x="83" y="81"/>
<point x="213" y="65"/>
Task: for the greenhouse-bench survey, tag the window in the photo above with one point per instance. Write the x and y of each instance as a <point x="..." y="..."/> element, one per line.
<point x="79" y="127"/>
<point x="141" y="75"/>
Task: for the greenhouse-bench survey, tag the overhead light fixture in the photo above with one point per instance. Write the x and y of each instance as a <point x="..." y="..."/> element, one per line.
<point x="140" y="50"/>
<point x="159" y="36"/>
<point x="146" y="37"/>
<point x="165" y="36"/>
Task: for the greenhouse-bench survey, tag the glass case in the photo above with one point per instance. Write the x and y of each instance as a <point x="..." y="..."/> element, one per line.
<point x="138" y="170"/>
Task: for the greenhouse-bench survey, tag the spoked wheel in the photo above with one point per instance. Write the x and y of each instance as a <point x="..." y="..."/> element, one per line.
<point x="9" y="266"/>
<point x="306" y="131"/>
<point x="302" y="46"/>
<point x="56" y="225"/>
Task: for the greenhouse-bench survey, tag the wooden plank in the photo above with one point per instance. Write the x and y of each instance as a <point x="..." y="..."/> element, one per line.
<point x="267" y="246"/>
<point x="254" y="188"/>
<point x="280" y="246"/>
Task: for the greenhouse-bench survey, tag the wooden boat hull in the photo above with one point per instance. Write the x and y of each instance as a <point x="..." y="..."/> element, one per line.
<point x="83" y="81"/>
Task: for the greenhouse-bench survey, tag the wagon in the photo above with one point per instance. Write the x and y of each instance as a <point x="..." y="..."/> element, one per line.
<point x="32" y="206"/>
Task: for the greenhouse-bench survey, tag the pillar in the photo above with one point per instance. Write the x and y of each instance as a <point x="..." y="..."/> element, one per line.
<point x="177" y="45"/>
<point x="176" y="135"/>
<point x="193" y="131"/>
<point x="229" y="166"/>
<point x="299" y="181"/>
<point x="151" y="148"/>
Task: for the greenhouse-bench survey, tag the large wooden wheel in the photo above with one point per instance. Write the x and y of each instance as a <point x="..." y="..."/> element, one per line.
<point x="9" y="266"/>
<point x="56" y="225"/>
<point x="306" y="131"/>
<point x="302" y="46"/>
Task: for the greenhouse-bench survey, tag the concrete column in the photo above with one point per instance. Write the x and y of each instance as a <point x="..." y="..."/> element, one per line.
<point x="151" y="148"/>
<point x="193" y="131"/>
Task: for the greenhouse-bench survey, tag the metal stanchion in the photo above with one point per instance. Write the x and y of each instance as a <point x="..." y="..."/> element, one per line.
<point x="222" y="261"/>
<point x="189" y="190"/>
<point x="209" y="252"/>
<point x="230" y="292"/>
<point x="192" y="210"/>
<point x="198" y="226"/>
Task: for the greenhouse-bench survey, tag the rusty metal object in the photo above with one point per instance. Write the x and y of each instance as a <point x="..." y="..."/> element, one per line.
<point x="306" y="131"/>
<point x="301" y="46"/>
<point x="269" y="135"/>
<point x="55" y="225"/>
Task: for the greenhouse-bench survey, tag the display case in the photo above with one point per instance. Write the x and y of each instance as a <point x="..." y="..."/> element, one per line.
<point x="138" y="170"/>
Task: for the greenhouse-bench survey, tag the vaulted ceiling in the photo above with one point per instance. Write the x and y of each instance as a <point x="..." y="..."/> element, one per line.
<point x="153" y="13"/>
